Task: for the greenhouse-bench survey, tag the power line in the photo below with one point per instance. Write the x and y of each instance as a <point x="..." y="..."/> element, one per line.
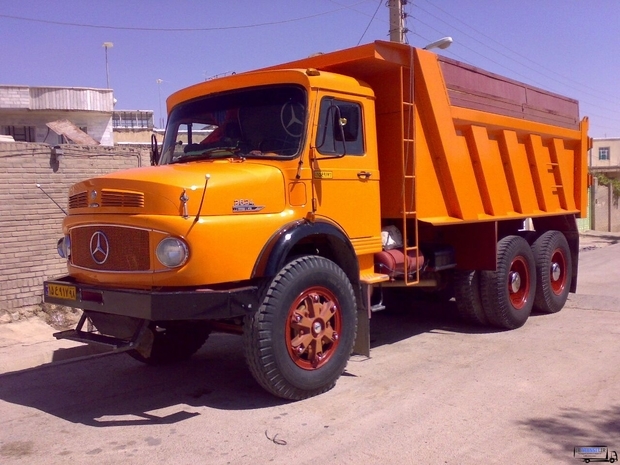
<point x="370" y="22"/>
<point x="580" y="89"/>
<point x="538" y="65"/>
<point x="157" y="29"/>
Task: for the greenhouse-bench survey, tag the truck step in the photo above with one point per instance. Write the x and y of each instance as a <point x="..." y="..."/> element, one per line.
<point x="377" y="307"/>
<point x="95" y="339"/>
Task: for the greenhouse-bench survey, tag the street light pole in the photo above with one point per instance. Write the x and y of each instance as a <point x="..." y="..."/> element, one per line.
<point x="442" y="44"/>
<point x="161" y="113"/>
<point x="106" y="46"/>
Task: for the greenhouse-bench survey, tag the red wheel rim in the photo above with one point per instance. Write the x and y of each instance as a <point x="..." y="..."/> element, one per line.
<point x="557" y="271"/>
<point x="313" y="328"/>
<point x="519" y="282"/>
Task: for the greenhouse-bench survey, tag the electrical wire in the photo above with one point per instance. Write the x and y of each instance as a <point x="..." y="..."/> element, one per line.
<point x="537" y="67"/>
<point x="537" y="70"/>
<point x="157" y="29"/>
<point x="370" y="22"/>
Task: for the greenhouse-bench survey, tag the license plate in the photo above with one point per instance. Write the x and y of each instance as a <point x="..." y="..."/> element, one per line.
<point x="60" y="291"/>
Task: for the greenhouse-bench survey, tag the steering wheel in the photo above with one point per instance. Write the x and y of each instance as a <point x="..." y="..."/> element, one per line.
<point x="290" y="118"/>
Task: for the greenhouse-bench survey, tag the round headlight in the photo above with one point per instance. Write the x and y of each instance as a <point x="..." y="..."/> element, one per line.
<point x="172" y="252"/>
<point x="64" y="246"/>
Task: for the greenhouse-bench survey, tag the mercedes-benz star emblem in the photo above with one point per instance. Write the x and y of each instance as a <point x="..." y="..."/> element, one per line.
<point x="99" y="247"/>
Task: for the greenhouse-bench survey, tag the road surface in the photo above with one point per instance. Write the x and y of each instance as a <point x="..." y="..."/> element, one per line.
<point x="434" y="391"/>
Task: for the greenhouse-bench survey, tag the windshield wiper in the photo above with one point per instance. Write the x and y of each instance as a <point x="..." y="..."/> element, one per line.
<point x="207" y="153"/>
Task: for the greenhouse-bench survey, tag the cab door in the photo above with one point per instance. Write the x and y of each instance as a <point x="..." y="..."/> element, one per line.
<point x="345" y="167"/>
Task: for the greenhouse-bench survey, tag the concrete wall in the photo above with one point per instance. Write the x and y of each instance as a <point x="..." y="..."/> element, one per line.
<point x="606" y="210"/>
<point x="30" y="223"/>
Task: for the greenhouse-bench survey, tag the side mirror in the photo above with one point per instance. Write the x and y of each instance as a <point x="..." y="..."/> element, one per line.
<point x="154" y="150"/>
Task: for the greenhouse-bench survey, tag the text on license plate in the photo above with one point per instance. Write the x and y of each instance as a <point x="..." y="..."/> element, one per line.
<point x="60" y="291"/>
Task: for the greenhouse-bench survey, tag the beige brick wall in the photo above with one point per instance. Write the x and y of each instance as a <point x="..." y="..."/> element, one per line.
<point x="30" y="223"/>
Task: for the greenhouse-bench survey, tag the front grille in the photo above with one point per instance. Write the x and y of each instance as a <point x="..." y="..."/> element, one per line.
<point x="122" y="199"/>
<point x="127" y="248"/>
<point x="109" y="198"/>
<point x="78" y="200"/>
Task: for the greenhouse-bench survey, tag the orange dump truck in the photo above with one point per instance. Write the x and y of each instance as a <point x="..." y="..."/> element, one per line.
<point x="284" y="201"/>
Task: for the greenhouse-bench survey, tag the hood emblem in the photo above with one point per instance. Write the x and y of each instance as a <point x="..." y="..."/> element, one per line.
<point x="99" y="247"/>
<point x="244" y="205"/>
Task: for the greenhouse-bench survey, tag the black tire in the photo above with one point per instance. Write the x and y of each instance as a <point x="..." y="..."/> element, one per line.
<point x="298" y="342"/>
<point x="173" y="342"/>
<point x="467" y="296"/>
<point x="508" y="292"/>
<point x="554" y="271"/>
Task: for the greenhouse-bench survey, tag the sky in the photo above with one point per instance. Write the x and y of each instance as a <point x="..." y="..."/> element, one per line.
<point x="570" y="47"/>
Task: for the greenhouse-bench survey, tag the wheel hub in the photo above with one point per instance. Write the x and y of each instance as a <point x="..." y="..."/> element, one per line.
<point x="514" y="282"/>
<point x="556" y="271"/>
<point x="314" y="321"/>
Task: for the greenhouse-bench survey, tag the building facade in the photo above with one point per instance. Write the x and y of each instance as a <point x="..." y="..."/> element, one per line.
<point x="604" y="162"/>
<point x="25" y="113"/>
<point x="605" y="156"/>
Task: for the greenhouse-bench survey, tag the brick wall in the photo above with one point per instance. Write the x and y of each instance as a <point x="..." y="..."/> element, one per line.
<point x="30" y="223"/>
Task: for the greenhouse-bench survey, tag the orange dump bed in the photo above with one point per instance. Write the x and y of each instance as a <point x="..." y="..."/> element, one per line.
<point x="471" y="145"/>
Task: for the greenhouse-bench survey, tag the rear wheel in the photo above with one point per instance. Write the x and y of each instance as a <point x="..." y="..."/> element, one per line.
<point x="467" y="296"/>
<point x="508" y="292"/>
<point x="172" y="342"/>
<point x="298" y="342"/>
<point x="554" y="271"/>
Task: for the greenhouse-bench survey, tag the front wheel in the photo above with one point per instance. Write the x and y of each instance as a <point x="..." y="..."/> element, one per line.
<point x="298" y="342"/>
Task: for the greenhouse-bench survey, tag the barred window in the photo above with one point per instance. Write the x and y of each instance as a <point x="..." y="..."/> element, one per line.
<point x="132" y="119"/>
<point x="603" y="153"/>
<point x="21" y="133"/>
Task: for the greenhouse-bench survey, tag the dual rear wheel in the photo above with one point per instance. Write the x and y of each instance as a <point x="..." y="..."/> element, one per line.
<point x="526" y="278"/>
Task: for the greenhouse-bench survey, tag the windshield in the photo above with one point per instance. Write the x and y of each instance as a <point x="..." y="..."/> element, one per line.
<point x="258" y="122"/>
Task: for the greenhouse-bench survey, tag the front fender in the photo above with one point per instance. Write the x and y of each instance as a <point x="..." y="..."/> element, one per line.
<point x="334" y="244"/>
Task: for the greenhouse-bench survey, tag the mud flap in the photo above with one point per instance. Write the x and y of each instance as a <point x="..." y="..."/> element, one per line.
<point x="362" y="341"/>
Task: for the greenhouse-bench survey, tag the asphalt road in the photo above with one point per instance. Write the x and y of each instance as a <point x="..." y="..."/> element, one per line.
<point x="435" y="391"/>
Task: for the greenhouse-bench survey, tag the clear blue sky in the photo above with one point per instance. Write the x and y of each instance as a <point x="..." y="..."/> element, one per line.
<point x="570" y="47"/>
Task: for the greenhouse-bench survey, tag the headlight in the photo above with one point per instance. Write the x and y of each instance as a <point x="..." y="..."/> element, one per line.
<point x="172" y="252"/>
<point x="64" y="247"/>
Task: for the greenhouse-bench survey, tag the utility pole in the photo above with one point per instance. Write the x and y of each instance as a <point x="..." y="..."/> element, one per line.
<point x="107" y="45"/>
<point x="397" y="31"/>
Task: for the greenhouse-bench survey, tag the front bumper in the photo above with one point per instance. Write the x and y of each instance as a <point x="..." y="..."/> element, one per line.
<point x="164" y="305"/>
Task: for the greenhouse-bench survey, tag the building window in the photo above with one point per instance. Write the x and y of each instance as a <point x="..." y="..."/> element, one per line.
<point x="132" y="119"/>
<point x="603" y="153"/>
<point x="21" y="133"/>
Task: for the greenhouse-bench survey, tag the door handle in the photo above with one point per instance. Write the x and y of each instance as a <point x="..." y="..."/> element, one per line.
<point x="364" y="175"/>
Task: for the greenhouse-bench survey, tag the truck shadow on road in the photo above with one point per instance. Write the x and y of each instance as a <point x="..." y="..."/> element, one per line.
<point x="115" y="390"/>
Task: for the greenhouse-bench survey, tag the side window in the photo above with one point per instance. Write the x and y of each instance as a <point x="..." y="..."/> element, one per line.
<point x="340" y="130"/>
